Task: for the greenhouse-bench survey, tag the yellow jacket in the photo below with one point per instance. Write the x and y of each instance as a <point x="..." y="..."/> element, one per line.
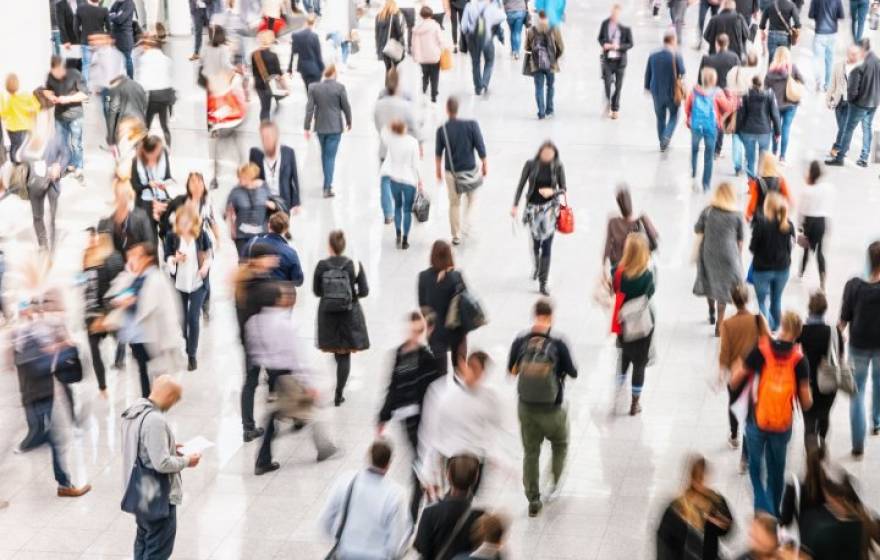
<point x="18" y="111"/>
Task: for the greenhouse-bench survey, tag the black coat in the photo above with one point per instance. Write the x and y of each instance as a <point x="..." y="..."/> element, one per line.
<point x="396" y="23"/>
<point x="758" y="113"/>
<point x="721" y="62"/>
<point x="91" y="20"/>
<point x="66" y="22"/>
<point x="137" y="228"/>
<point x="342" y="332"/>
<point x="734" y="25"/>
<point x="138" y="186"/>
<point x="288" y="178"/>
<point x="122" y="24"/>
<point x="864" y="83"/>
<point x="530" y="174"/>
<point x="306" y="46"/>
<point x="437" y="296"/>
<point x="626" y="41"/>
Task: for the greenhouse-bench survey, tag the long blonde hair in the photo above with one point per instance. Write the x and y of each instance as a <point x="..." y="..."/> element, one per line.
<point x="768" y="166"/>
<point x="776" y="210"/>
<point x="187" y="212"/>
<point x="781" y="60"/>
<point x="389" y="9"/>
<point x="724" y="197"/>
<point x="636" y="255"/>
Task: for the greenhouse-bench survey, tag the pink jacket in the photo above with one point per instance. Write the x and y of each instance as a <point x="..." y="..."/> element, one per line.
<point x="428" y="42"/>
<point x="723" y="105"/>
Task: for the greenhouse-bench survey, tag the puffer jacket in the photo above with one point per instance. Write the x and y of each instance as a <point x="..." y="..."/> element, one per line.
<point x="427" y="41"/>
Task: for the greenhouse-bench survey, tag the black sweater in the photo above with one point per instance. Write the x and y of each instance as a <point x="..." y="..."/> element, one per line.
<point x="91" y="20"/>
<point x="530" y="174"/>
<point x="272" y="64"/>
<point x="758" y="113"/>
<point x="771" y="248"/>
<point x="411" y="375"/>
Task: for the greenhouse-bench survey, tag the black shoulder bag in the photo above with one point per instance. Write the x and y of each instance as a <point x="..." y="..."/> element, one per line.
<point x="332" y="554"/>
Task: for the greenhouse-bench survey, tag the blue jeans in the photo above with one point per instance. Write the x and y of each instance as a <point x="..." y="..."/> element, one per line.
<point x="545" y="102"/>
<point x="192" y="311"/>
<point x="72" y="136"/>
<point x="667" y="115"/>
<point x="768" y="448"/>
<point x="708" y="136"/>
<point x="755" y="145"/>
<point x="769" y="285"/>
<point x="199" y="23"/>
<point x="312" y="6"/>
<point x="858" y="12"/>
<point x="329" y="145"/>
<point x="854" y="116"/>
<point x="840" y="111"/>
<point x="787" y="117"/>
<point x="86" y="60"/>
<point x="40" y="431"/>
<point x="481" y="74"/>
<point x="341" y="44"/>
<point x="129" y="64"/>
<point x="403" y="196"/>
<point x="863" y="360"/>
<point x="776" y="39"/>
<point x="154" y="540"/>
<point x="738" y="149"/>
<point x="385" y="197"/>
<point x="515" y="21"/>
<point x="823" y="51"/>
<point x="56" y="42"/>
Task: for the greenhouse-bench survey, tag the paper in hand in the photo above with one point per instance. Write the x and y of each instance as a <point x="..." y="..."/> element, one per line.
<point x="197" y="444"/>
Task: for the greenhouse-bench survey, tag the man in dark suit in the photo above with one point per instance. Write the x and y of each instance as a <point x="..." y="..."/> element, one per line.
<point x="277" y="165"/>
<point x="306" y="46"/>
<point x="722" y="62"/>
<point x="615" y="39"/>
<point x="665" y="67"/>
<point x="732" y="23"/>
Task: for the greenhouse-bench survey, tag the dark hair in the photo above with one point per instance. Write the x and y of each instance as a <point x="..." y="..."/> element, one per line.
<point x="624" y="201"/>
<point x="337" y="241"/>
<point x="739" y="294"/>
<point x="441" y="256"/>
<point x="55" y="62"/>
<point x="697" y="468"/>
<point x="542" y="14"/>
<point x="757" y="82"/>
<point x="548" y="144"/>
<point x="392" y="81"/>
<point x="462" y="471"/>
<point x="197" y="175"/>
<point x="814" y="477"/>
<point x="818" y="303"/>
<point x="722" y="40"/>
<point x="415" y="316"/>
<point x="426" y="12"/>
<point x="669" y="37"/>
<point x="452" y="105"/>
<point x="874" y="256"/>
<point x="279" y="222"/>
<point x="814" y="172"/>
<point x="543" y="308"/>
<point x="489" y="528"/>
<point x="480" y="357"/>
<point x="218" y="36"/>
<point x="380" y="454"/>
<point x="150" y="143"/>
<point x="147" y="248"/>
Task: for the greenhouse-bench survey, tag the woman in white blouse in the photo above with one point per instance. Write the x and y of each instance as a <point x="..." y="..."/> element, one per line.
<point x="815" y="206"/>
<point x="401" y="166"/>
<point x="189" y="253"/>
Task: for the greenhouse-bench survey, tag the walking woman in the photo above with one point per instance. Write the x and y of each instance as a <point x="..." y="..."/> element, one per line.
<point x="815" y="205"/>
<point x="189" y="253"/>
<point x="151" y="179"/>
<point x="342" y="330"/>
<point x="427" y="47"/>
<point x="777" y="81"/>
<point x="619" y="227"/>
<point x="153" y="72"/>
<point x="437" y="285"/>
<point x="401" y="166"/>
<point x="18" y="111"/>
<point x="768" y="180"/>
<point x="632" y="278"/>
<point x="389" y="25"/>
<point x="816" y="344"/>
<point x="757" y="123"/>
<point x="772" y="238"/>
<point x="101" y="264"/>
<point x="266" y="67"/>
<point x="456" y="9"/>
<point x="197" y="196"/>
<point x="545" y="175"/>
<point x="719" y="258"/>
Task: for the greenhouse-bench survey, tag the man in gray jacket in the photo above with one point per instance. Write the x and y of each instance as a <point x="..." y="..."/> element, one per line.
<point x="146" y="434"/>
<point x="328" y="103"/>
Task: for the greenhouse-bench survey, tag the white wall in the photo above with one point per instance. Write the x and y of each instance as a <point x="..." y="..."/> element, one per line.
<point x="25" y="40"/>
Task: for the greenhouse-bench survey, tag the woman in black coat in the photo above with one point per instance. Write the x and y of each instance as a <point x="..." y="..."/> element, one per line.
<point x="342" y="328"/>
<point x="815" y="341"/>
<point x="437" y="286"/>
<point x="150" y="179"/>
<point x="389" y="25"/>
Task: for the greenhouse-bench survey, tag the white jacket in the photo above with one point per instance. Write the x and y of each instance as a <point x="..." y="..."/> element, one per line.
<point x="401" y="158"/>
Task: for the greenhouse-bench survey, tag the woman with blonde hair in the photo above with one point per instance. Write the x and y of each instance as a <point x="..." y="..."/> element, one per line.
<point x="720" y="235"/>
<point x="788" y="96"/>
<point x="767" y="180"/>
<point x="633" y="318"/>
<point x="389" y="26"/>
<point x="772" y="239"/>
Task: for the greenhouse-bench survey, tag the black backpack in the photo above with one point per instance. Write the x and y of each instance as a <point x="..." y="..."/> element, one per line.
<point x="541" y="52"/>
<point x="537" y="382"/>
<point x="765" y="185"/>
<point x="336" y="289"/>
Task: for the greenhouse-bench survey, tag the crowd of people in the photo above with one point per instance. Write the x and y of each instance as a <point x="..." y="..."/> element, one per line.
<point x="146" y="273"/>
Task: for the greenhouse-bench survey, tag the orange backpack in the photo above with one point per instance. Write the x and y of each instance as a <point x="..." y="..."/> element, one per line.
<point x="777" y="383"/>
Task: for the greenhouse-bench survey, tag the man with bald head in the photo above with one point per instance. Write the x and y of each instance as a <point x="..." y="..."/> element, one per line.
<point x="147" y="437"/>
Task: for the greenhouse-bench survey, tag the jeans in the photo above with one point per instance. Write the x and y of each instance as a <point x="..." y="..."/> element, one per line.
<point x="612" y="76"/>
<point x="38" y="192"/>
<point x="769" y="448"/>
<point x="403" y="196"/>
<point x="86" y="61"/>
<point x="192" y="311"/>
<point x="343" y="45"/>
<point x="840" y="112"/>
<point x="738" y="150"/>
<point x="537" y="423"/>
<point x="667" y="114"/>
<point x="787" y="117"/>
<point x="709" y="137"/>
<point x="312" y="6"/>
<point x="39" y="419"/>
<point x="56" y="42"/>
<point x="755" y="145"/>
<point x="200" y="22"/>
<point x="329" y="145"/>
<point x="17" y="139"/>
<point x="385" y="197"/>
<point x="515" y="21"/>
<point x="769" y="285"/>
<point x="823" y="51"/>
<point x="854" y="116"/>
<point x="71" y="134"/>
<point x="705" y="8"/>
<point x="129" y="64"/>
<point x="776" y="39"/>
<point x="858" y="12"/>
<point x="155" y="539"/>
<point x="862" y="361"/>
<point x="545" y="103"/>
<point x="139" y="351"/>
<point x="481" y="73"/>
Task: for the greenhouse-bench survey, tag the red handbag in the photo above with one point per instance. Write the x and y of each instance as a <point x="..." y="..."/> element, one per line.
<point x="565" y="220"/>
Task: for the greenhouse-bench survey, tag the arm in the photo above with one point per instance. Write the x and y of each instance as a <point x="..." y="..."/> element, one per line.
<point x="363" y="289"/>
<point x="524" y="176"/>
<point x="292" y="53"/>
<point x="602" y="33"/>
<point x="399" y="526"/>
<point x="764" y="16"/>
<point x="479" y="145"/>
<point x="346" y="108"/>
<point x="560" y="178"/>
<point x="688" y="105"/>
<point x="796" y="16"/>
<point x="725" y="352"/>
<point x="566" y="363"/>
<point x="626" y="40"/>
<point x="296" y="272"/>
<point x="294" y="182"/>
<point x="162" y="458"/>
<point x="608" y="243"/>
<point x="560" y="44"/>
<point x="812" y="12"/>
<point x="805" y="396"/>
<point x="648" y="72"/>
<point x="854" y="84"/>
<point x="774" y="116"/>
<point x="317" y="287"/>
<point x="332" y="509"/>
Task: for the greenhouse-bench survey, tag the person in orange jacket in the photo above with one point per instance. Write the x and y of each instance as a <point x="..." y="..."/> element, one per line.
<point x="706" y="107"/>
<point x="767" y="180"/>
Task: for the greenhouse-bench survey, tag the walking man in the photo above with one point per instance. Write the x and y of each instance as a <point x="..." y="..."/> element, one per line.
<point x="863" y="97"/>
<point x="478" y="24"/>
<point x="326" y="107"/>
<point x="826" y="14"/>
<point x="615" y="39"/>
<point x="665" y="67"/>
<point x="543" y="48"/>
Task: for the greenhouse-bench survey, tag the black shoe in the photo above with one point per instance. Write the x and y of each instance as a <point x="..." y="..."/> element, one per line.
<point x="835" y="161"/>
<point x="338" y="400"/>
<point x="535" y="508"/>
<point x="298" y="425"/>
<point x="251" y="435"/>
<point x="711" y="317"/>
<point x="875" y="431"/>
<point x="543" y="289"/>
<point x="328" y="193"/>
<point x="857" y="454"/>
<point x="862" y="163"/>
<point x="263" y="469"/>
<point x="192" y="365"/>
<point x="405" y="244"/>
<point x="397" y="241"/>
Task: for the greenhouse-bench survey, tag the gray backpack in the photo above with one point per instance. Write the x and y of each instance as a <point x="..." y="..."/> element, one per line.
<point x="537" y="382"/>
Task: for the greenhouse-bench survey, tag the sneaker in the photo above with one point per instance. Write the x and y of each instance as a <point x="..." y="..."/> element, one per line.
<point x="195" y="56"/>
<point x="535" y="508"/>
<point x="835" y="161"/>
<point x="251" y="435"/>
<point x="875" y="431"/>
<point x="405" y="244"/>
<point x="338" y="401"/>
<point x="456" y="241"/>
<point x="862" y="163"/>
<point x="328" y="193"/>
<point x="733" y="442"/>
<point x="615" y="115"/>
<point x="388" y="220"/>
<point x="263" y="469"/>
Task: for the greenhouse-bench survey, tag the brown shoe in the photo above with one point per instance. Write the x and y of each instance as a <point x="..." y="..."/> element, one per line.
<point x="73" y="491"/>
<point x="635" y="408"/>
<point x="194" y="57"/>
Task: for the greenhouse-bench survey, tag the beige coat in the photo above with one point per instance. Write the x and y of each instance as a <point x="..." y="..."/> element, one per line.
<point x="837" y="92"/>
<point x="428" y="41"/>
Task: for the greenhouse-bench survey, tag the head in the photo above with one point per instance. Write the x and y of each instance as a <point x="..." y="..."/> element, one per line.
<point x="187" y="222"/>
<point x="781" y="59"/>
<point x="709" y="77"/>
<point x="57" y="68"/>
<point x="398" y="127"/>
<point x="165" y="392"/>
<point x="763" y="539"/>
<point x="739" y="293"/>
<point x="248" y="175"/>
<point x="728" y="5"/>
<point x="697" y="472"/>
<point x="195" y="186"/>
<point x="865" y="45"/>
<point x="853" y="54"/>
<point x="279" y="223"/>
<point x="269" y="137"/>
<point x="477" y="363"/>
<point x="636" y="255"/>
<point x="814" y="172"/>
<point x="752" y="59"/>
<point x="218" y="36"/>
<point x="776" y="210"/>
<point x="392" y="81"/>
<point x="123" y="196"/>
<point x="380" y="455"/>
<point x="543" y="312"/>
<point x="441" y="256"/>
<point x="140" y="256"/>
<point x="263" y="257"/>
<point x="768" y="166"/>
<point x="818" y="304"/>
<point x="874" y="258"/>
<point x="615" y="13"/>
<point x="548" y="152"/>
<point x="489" y="529"/>
<point x="311" y="20"/>
<point x="624" y="201"/>
<point x="791" y="326"/>
<point x="670" y="40"/>
<point x="417" y="327"/>
<point x="452" y="107"/>
<point x="542" y="17"/>
<point x="330" y="72"/>
<point x="12" y="83"/>
<point x="426" y="12"/>
<point x="757" y="85"/>
<point x="724" y="197"/>
<point x="337" y="242"/>
<point x="462" y="472"/>
<point x="150" y="150"/>
<point x="286" y="295"/>
<point x="722" y="42"/>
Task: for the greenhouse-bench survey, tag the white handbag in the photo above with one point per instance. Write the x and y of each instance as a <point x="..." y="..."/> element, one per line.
<point x="636" y="320"/>
<point x="393" y="48"/>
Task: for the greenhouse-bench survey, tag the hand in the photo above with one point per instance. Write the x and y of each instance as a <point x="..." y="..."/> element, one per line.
<point x="308" y="134"/>
<point x="203" y="272"/>
<point x="607" y="46"/>
<point x="179" y="257"/>
<point x="177" y="448"/>
<point x="65" y="45"/>
<point x="513" y="212"/>
<point x="271" y="205"/>
<point x="295" y="210"/>
<point x="193" y="459"/>
<point x="380" y="428"/>
<point x="485" y="168"/>
<point x="124" y="303"/>
<point x="348" y="128"/>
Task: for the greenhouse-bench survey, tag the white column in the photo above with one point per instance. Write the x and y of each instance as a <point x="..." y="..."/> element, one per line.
<point x="25" y="41"/>
<point x="179" y="19"/>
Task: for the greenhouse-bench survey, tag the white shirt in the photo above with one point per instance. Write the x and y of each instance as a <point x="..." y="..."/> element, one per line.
<point x="187" y="278"/>
<point x="401" y="158"/>
<point x="153" y="70"/>
<point x="271" y="169"/>
<point x="815" y="200"/>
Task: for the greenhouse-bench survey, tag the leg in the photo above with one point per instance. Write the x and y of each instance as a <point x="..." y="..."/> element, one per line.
<point x="829" y="59"/>
<point x="331" y="147"/>
<point x="129" y="64"/>
<point x="412" y="434"/>
<point x="558" y="436"/>
<point x="777" y="444"/>
<point x="198" y="27"/>
<point x="551" y="91"/>
<point x="489" y="57"/>
<point x="673" y="120"/>
<point x="385" y="197"/>
<point x="435" y="81"/>
<point x="193" y="314"/>
<point x="425" y="78"/>
<point x="56" y="445"/>
<point x="756" y="442"/>
<point x="532" y="437"/>
<point x="397" y="197"/>
<point x="640" y="363"/>
<point x="155" y="539"/>
<point x="184" y="316"/>
<point x="265" y="104"/>
<point x="476" y="75"/>
<point x="777" y="285"/>
<point x="264" y="456"/>
<point x="861" y="362"/>
<point x="248" y="388"/>
<point x="875" y="387"/>
<point x="470" y="199"/>
<point x="343" y="368"/>
<point x="142" y="358"/>
<point x="544" y="264"/>
<point x="408" y="195"/>
<point x="708" y="157"/>
<point x="787" y="119"/>
<point x="618" y="87"/>
<point x="37" y="194"/>
<point x="732" y="396"/>
<point x="695" y="151"/>
<point x="454" y="207"/>
<point x="97" y="361"/>
<point x="737" y="149"/>
<point x="607" y="79"/>
<point x="762" y="294"/>
<point x="750" y="146"/>
<point x="164" y="111"/>
<point x="867" y="134"/>
<point x="539" y="78"/>
<point x="854" y="115"/>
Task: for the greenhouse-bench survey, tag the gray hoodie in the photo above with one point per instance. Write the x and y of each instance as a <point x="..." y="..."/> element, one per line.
<point x="157" y="448"/>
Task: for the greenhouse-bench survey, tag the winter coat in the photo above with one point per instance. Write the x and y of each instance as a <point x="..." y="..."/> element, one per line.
<point x="427" y="41"/>
<point x="345" y="331"/>
<point x="555" y="47"/>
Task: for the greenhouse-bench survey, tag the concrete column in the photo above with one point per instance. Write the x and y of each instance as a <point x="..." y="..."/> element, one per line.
<point x="26" y="41"/>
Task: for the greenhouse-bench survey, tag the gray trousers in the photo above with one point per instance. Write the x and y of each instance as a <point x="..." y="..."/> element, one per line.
<point x="39" y="190"/>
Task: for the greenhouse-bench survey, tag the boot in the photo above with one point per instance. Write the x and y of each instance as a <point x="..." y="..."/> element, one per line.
<point x="711" y="312"/>
<point x="543" y="273"/>
<point x="822" y="281"/>
<point x="635" y="408"/>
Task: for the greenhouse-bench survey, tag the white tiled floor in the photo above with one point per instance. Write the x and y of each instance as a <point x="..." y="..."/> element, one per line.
<point x="621" y="470"/>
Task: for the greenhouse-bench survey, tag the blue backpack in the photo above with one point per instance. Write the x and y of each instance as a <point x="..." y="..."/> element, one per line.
<point x="703" y="110"/>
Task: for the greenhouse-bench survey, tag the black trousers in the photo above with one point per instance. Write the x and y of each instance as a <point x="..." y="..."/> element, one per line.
<point x="343" y="369"/>
<point x="458" y="350"/>
<point x="612" y="75"/>
<point x="412" y="434"/>
<point x="814" y="231"/>
<point x="816" y="419"/>
<point x="159" y="106"/>
<point x="265" y="96"/>
<point x="155" y="539"/>
<point x="139" y="351"/>
<point x="431" y="75"/>
<point x="456" y="23"/>
<point x="409" y="16"/>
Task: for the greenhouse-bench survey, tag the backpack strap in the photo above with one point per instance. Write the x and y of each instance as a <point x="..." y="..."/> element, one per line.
<point x="459" y="525"/>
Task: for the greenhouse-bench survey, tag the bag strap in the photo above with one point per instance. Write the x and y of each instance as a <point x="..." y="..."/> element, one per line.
<point x="833" y="356"/>
<point x="448" y="148"/>
<point x="459" y="525"/>
<point x="346" y="506"/>
<point x="261" y="65"/>
<point x="785" y="23"/>
<point x="137" y="453"/>
<point x="390" y="27"/>
<point x="674" y="68"/>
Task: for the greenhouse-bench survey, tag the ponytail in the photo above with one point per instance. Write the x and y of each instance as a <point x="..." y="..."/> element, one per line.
<point x="782" y="216"/>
